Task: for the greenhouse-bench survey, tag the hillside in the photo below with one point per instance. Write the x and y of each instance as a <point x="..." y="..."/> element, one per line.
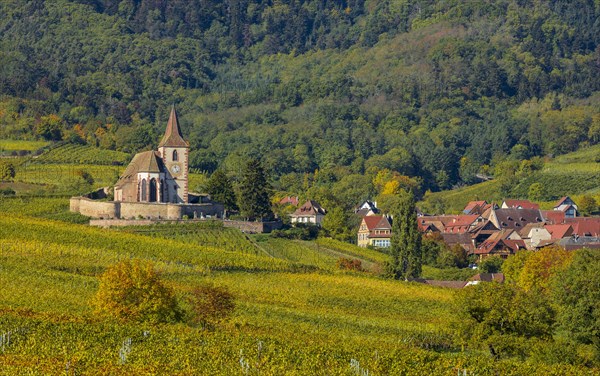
<point x="434" y="90"/>
<point x="292" y="316"/>
<point x="573" y="174"/>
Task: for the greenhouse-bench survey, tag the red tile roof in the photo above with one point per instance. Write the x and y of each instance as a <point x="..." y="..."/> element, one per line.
<point x="289" y="200"/>
<point x="553" y="216"/>
<point x="559" y="231"/>
<point x="585" y="226"/>
<point x="524" y="204"/>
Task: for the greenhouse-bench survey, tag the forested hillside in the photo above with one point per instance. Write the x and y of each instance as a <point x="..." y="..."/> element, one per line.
<point x="438" y="90"/>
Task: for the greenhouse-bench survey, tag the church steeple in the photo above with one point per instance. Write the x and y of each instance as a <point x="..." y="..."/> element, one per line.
<point x="173" y="137"/>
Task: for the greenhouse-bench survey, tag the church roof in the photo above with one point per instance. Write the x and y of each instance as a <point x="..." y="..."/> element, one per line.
<point x="147" y="161"/>
<point x="173" y="137"/>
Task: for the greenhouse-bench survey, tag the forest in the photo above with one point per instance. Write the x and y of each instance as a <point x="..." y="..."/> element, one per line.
<point x="328" y="94"/>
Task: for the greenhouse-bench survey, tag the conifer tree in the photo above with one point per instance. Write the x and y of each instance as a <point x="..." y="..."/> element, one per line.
<point x="220" y="189"/>
<point x="406" y="240"/>
<point x="254" y="199"/>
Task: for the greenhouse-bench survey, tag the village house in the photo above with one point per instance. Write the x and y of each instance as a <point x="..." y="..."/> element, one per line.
<point x="366" y="208"/>
<point x="567" y="206"/>
<point x="514" y="219"/>
<point x="375" y="231"/>
<point x="309" y="213"/>
<point x="503" y="243"/>
<point x="519" y="204"/>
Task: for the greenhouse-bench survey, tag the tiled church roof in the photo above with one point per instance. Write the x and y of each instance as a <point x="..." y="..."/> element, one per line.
<point x="173" y="137"/>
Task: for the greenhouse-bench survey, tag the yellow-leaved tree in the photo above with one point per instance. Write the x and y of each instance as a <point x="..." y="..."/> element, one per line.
<point x="132" y="290"/>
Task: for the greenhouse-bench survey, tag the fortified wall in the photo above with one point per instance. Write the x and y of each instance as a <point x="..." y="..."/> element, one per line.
<point x="146" y="210"/>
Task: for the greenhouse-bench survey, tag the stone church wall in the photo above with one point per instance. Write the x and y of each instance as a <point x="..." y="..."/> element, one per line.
<point x="136" y="210"/>
<point x="96" y="209"/>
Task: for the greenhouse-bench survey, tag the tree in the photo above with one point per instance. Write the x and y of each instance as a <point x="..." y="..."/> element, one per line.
<point x="406" y="240"/>
<point x="587" y="205"/>
<point x="491" y="264"/>
<point x="336" y="223"/>
<point x="537" y="192"/>
<point x="220" y="189"/>
<point x="133" y="290"/>
<point x="7" y="170"/>
<point x="540" y="266"/>
<point x="50" y="127"/>
<point x="254" y="199"/>
<point x="498" y="316"/>
<point x="575" y="290"/>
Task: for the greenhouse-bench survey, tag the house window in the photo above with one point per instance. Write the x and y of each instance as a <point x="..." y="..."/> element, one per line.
<point x="175" y="156"/>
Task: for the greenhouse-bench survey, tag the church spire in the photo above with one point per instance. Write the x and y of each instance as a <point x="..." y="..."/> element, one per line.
<point x="173" y="137"/>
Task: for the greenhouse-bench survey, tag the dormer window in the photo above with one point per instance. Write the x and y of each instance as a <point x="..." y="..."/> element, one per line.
<point x="175" y="156"/>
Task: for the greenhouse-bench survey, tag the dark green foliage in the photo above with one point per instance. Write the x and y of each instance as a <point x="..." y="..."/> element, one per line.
<point x="405" y="251"/>
<point x="253" y="199"/>
<point x="301" y="231"/>
<point x="500" y="317"/>
<point x="220" y="189"/>
<point x="7" y="192"/>
<point x="576" y="292"/>
<point x="492" y="264"/>
<point x="7" y="170"/>
<point x="428" y="89"/>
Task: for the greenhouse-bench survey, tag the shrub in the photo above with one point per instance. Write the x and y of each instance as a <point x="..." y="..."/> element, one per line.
<point x="132" y="290"/>
<point x="491" y="264"/>
<point x="7" y="192"/>
<point x="7" y="171"/>
<point x="210" y="305"/>
<point x="349" y="264"/>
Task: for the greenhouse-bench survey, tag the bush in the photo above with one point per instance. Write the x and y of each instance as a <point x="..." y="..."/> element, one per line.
<point x="7" y="192"/>
<point x="7" y="171"/>
<point x="210" y="305"/>
<point x="349" y="264"/>
<point x="132" y="290"/>
<point x="491" y="264"/>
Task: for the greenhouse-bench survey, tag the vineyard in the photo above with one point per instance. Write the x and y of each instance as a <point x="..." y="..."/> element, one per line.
<point x="16" y="145"/>
<point x="82" y="154"/>
<point x="290" y="318"/>
<point x="571" y="174"/>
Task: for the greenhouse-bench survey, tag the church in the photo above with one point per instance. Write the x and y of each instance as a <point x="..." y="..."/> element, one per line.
<point x="154" y="186"/>
<point x="158" y="176"/>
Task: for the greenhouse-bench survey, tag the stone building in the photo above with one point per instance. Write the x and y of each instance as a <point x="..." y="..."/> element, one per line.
<point x="153" y="186"/>
<point x="158" y="176"/>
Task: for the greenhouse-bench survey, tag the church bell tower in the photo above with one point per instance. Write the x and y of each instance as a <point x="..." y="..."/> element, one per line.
<point x="174" y="151"/>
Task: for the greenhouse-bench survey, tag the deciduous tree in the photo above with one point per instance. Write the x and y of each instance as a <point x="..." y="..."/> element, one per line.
<point x="133" y="290"/>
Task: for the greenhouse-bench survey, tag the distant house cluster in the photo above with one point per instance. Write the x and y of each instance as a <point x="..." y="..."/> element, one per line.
<point x="486" y="229"/>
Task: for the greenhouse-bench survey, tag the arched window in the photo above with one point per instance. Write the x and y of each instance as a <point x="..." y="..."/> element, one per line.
<point x="143" y="196"/>
<point x="175" y="156"/>
<point x="153" y="190"/>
